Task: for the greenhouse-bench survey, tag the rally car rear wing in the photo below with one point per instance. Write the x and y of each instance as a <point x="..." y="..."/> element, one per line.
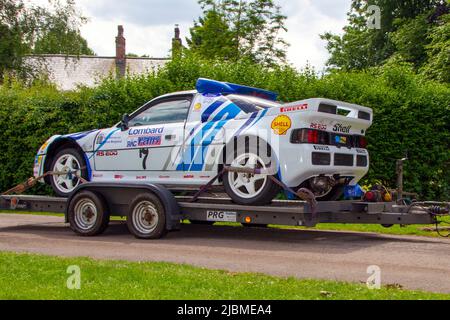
<point x="330" y="106"/>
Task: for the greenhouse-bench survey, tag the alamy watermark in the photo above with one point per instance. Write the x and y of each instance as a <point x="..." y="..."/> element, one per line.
<point x="374" y="17"/>
<point x="74" y="280"/>
<point x="374" y="280"/>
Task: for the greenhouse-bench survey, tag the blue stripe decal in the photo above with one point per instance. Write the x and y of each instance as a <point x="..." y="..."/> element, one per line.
<point x="213" y="107"/>
<point x="246" y="124"/>
<point x="201" y="141"/>
<point x="104" y="141"/>
<point x="80" y="135"/>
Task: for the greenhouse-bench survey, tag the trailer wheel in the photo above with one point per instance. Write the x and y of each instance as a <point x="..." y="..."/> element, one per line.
<point x="88" y="214"/>
<point x="147" y="217"/>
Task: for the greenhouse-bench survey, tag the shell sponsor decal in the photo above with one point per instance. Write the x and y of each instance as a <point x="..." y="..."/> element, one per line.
<point x="281" y="124"/>
<point x="298" y="107"/>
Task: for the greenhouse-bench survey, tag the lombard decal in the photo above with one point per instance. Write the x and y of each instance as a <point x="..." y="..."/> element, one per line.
<point x="188" y="176"/>
<point x="118" y="176"/>
<point x="154" y="140"/>
<point x="141" y="177"/>
<point x="341" y="128"/>
<point x="321" y="148"/>
<point x="97" y="175"/>
<point x="281" y="124"/>
<point x="225" y="216"/>
<point x="318" y="126"/>
<point x="294" y="108"/>
<point x="111" y="153"/>
<point x="145" y="131"/>
<point x="164" y="177"/>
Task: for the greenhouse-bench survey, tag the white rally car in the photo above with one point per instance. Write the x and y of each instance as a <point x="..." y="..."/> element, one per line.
<point x="184" y="139"/>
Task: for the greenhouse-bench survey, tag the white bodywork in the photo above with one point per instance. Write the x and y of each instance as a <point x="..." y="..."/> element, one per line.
<point x="189" y="152"/>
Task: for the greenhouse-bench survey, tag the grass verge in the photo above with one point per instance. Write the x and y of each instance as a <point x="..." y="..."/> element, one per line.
<point x="27" y="276"/>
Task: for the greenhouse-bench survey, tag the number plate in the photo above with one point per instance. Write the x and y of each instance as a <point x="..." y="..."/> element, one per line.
<point x="224" y="216"/>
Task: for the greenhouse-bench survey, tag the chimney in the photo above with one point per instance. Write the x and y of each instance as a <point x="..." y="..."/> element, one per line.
<point x="120" y="53"/>
<point x="177" y="44"/>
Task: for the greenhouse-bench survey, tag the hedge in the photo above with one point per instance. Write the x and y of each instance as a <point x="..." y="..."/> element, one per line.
<point x="411" y="115"/>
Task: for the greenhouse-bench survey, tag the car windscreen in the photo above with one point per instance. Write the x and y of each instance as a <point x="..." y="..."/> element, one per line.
<point x="251" y="104"/>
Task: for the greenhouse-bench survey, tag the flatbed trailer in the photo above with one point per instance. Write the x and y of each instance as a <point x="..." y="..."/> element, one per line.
<point x="152" y="210"/>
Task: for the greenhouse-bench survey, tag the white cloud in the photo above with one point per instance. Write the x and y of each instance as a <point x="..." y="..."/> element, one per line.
<point x="149" y="25"/>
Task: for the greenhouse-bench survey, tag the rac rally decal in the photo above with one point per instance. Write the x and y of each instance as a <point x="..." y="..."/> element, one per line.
<point x="341" y="128"/>
<point x="281" y="124"/>
<point x="294" y="108"/>
<point x="144" y="141"/>
<point x="145" y="131"/>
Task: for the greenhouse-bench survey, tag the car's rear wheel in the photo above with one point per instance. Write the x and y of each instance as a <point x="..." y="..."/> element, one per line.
<point x="245" y="188"/>
<point x="71" y="166"/>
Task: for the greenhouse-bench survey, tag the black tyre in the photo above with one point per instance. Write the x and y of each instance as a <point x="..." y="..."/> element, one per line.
<point x="249" y="189"/>
<point x="88" y="214"/>
<point x="70" y="161"/>
<point x="147" y="217"/>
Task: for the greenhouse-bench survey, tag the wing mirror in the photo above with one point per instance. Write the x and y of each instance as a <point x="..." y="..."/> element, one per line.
<point x="124" y="122"/>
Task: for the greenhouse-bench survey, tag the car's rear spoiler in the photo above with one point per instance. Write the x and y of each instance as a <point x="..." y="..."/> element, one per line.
<point x="206" y="86"/>
<point x="346" y="109"/>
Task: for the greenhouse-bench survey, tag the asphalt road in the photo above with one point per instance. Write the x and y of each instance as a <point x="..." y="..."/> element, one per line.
<point x="413" y="262"/>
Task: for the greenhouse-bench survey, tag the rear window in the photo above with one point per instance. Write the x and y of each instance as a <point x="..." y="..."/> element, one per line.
<point x="251" y="104"/>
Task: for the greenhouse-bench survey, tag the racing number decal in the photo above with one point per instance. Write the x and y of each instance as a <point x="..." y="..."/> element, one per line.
<point x="143" y="152"/>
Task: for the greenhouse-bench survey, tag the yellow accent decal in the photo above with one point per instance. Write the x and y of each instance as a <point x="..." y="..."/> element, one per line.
<point x="197" y="106"/>
<point x="281" y="124"/>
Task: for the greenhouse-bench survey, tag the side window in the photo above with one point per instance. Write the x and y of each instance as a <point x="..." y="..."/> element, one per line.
<point x="164" y="112"/>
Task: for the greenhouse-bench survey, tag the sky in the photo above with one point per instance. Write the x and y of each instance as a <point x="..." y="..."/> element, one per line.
<point x="149" y="25"/>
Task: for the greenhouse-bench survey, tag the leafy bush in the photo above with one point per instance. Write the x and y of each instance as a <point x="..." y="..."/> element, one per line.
<point x="411" y="114"/>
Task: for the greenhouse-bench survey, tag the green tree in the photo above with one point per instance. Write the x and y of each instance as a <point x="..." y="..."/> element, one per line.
<point x="437" y="65"/>
<point x="403" y="31"/>
<point x="211" y="37"/>
<point x="60" y="32"/>
<point x="33" y="29"/>
<point x="236" y="29"/>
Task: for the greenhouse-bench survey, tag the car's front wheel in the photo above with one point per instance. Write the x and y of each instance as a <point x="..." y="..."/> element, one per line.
<point x="68" y="166"/>
<point x="246" y="188"/>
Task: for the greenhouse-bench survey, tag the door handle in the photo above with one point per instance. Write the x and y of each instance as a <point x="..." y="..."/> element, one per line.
<point x="170" y="136"/>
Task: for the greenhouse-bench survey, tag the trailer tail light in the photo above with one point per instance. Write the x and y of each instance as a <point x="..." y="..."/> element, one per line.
<point x="309" y="136"/>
